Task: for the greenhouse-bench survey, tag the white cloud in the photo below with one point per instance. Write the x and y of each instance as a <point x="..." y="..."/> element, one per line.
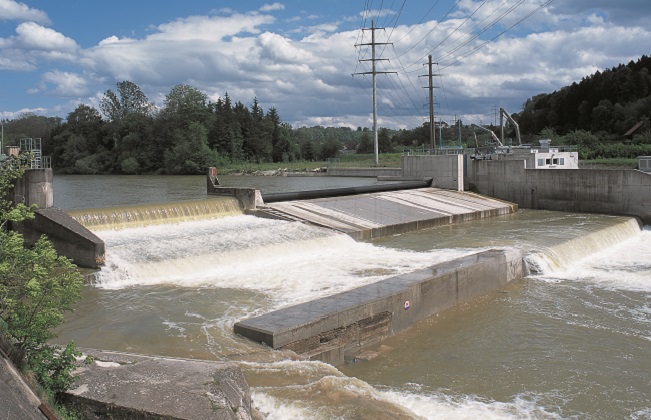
<point x="12" y="10"/>
<point x="67" y="84"/>
<point x="32" y="36"/>
<point x="272" y="7"/>
<point x="211" y="28"/>
<point x="309" y="79"/>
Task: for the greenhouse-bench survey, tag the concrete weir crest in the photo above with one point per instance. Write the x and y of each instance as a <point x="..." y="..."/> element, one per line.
<point x="336" y="328"/>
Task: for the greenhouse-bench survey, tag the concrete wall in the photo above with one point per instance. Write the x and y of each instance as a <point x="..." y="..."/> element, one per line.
<point x="621" y="192"/>
<point x="446" y="171"/>
<point x="337" y="327"/>
<point x="365" y="172"/>
<point x="67" y="235"/>
<point x="249" y="197"/>
<point x="35" y="187"/>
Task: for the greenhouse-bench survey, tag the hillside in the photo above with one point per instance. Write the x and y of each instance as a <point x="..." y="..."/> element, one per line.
<point x="610" y="102"/>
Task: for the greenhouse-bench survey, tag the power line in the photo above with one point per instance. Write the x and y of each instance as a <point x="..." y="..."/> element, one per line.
<point x="374" y="73"/>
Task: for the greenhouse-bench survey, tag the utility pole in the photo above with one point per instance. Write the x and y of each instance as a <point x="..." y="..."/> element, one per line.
<point x="374" y="72"/>
<point x="431" y="87"/>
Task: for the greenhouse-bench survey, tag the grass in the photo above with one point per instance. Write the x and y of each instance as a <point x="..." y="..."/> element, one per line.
<point x="388" y="160"/>
<point x="609" y="163"/>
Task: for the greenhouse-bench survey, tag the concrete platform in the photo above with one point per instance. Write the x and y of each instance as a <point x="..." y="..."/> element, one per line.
<point x="338" y="327"/>
<point x="128" y="386"/>
<point x="374" y="215"/>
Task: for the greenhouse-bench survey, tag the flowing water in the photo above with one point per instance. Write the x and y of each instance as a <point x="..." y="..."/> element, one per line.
<point x="572" y="340"/>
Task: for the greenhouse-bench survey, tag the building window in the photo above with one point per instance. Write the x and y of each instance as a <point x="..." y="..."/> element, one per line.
<point x="555" y="161"/>
<point x="561" y="161"/>
<point x="548" y="161"/>
<point x="541" y="162"/>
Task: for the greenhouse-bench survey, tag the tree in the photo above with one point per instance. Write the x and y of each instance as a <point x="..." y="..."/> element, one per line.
<point x="365" y="144"/>
<point x="191" y="154"/>
<point x="185" y="104"/>
<point x="280" y="142"/>
<point x="129" y="99"/>
<point x="36" y="287"/>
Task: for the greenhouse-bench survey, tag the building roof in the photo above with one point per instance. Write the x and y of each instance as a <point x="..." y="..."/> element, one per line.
<point x="634" y="129"/>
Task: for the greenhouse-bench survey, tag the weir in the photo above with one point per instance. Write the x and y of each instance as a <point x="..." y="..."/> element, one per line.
<point x="152" y="214"/>
<point x="337" y="328"/>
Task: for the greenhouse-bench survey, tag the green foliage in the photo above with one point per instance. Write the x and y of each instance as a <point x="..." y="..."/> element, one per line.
<point x="36" y="287"/>
<point x="53" y="366"/>
<point x="613" y="101"/>
<point x="580" y="138"/>
<point x="130" y="165"/>
<point x="191" y="154"/>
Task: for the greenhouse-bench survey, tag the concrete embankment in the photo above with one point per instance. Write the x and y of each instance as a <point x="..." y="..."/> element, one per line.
<point x="128" y="386"/>
<point x="336" y="328"/>
<point x="17" y="401"/>
<point x="366" y="216"/>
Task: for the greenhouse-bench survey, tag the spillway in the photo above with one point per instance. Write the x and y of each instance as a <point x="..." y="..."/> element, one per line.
<point x="177" y="289"/>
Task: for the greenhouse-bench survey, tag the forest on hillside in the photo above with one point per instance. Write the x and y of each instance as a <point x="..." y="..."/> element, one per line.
<point x="608" y="103"/>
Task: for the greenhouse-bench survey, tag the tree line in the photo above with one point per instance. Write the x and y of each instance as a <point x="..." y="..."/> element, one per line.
<point x="608" y="103"/>
<point x="130" y="135"/>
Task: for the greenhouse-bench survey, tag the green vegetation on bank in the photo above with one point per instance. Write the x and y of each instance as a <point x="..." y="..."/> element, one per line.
<point x="36" y="287"/>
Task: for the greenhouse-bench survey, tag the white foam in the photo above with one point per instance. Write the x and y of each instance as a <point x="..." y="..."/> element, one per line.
<point x="273" y="408"/>
<point x="623" y="264"/>
<point x="106" y="364"/>
<point x="438" y="405"/>
<point x="255" y="254"/>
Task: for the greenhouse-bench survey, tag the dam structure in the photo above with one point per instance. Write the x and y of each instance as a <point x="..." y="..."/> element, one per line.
<point x="337" y="329"/>
<point x="369" y="212"/>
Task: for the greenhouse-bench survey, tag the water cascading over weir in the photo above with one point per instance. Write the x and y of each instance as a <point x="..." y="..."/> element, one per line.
<point x="153" y="214"/>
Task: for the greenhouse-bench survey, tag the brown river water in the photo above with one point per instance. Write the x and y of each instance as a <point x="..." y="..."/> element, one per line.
<point x="572" y="340"/>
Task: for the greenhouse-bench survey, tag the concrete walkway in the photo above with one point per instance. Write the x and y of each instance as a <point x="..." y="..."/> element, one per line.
<point x="372" y="215"/>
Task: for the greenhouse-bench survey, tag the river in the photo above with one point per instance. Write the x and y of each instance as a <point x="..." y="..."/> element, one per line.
<point x="572" y="340"/>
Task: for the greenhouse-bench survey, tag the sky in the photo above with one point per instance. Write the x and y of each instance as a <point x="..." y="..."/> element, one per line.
<point x="306" y="58"/>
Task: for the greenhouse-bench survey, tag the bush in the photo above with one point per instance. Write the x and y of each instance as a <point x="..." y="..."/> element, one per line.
<point x="36" y="287"/>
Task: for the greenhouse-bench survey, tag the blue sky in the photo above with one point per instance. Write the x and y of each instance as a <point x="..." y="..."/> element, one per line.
<point x="299" y="55"/>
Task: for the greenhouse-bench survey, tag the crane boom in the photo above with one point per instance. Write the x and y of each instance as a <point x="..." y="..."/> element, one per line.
<point x="504" y="113"/>
<point x="497" y="140"/>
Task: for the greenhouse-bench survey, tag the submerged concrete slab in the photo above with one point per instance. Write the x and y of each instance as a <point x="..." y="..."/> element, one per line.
<point x="127" y="386"/>
<point x="334" y="327"/>
<point x="366" y="216"/>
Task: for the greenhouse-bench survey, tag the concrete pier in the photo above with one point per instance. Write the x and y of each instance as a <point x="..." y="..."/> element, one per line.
<point x="338" y="327"/>
<point x="374" y="215"/>
<point x="68" y="236"/>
